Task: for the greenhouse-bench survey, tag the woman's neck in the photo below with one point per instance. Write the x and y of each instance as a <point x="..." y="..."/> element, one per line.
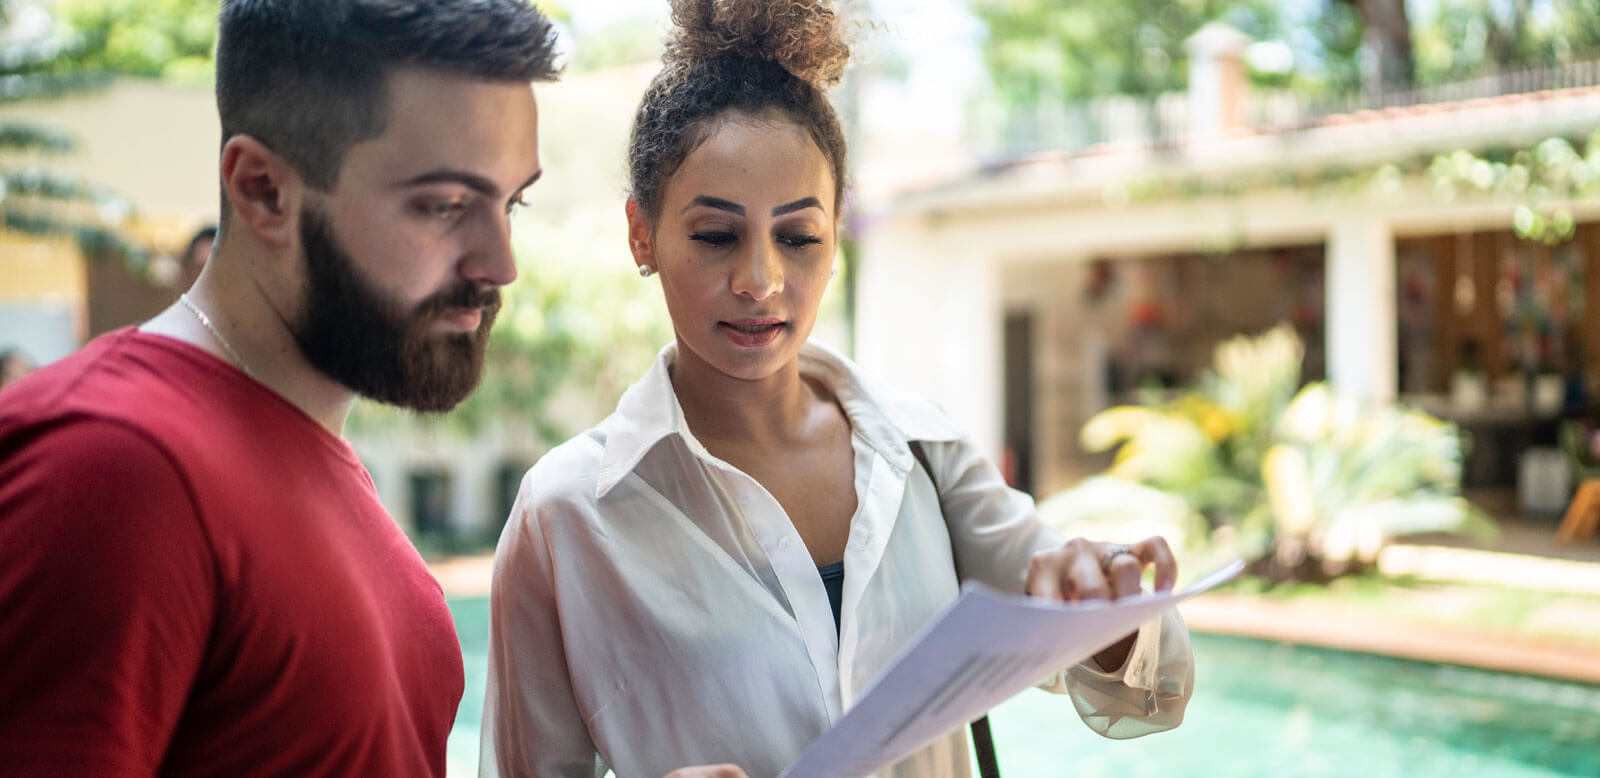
<point x="718" y="407"/>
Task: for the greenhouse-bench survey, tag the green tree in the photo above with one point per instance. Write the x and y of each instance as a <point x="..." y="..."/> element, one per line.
<point x="36" y="64"/>
<point x="1386" y="35"/>
<point x="173" y="39"/>
<point x="1073" y="49"/>
<point x="624" y="42"/>
<point x="1069" y="50"/>
<point x="1464" y="38"/>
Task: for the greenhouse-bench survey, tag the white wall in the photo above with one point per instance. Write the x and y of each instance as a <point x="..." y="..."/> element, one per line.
<point x="929" y="320"/>
<point x="154" y="143"/>
<point x="931" y="303"/>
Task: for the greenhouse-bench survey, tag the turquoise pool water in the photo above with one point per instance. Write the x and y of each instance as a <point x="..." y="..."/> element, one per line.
<point x="1264" y="710"/>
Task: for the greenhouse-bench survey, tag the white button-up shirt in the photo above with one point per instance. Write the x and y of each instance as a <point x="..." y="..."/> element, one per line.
<point x="653" y="606"/>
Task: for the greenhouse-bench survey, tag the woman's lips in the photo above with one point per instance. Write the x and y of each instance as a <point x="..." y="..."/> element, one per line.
<point x="752" y="333"/>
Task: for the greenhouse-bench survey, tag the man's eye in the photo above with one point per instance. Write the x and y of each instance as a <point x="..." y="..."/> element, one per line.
<point x="799" y="241"/>
<point x="515" y="203"/>
<point x="443" y="209"/>
<point x="716" y="239"/>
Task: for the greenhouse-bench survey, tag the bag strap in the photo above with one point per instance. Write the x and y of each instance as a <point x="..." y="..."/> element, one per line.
<point x="982" y="733"/>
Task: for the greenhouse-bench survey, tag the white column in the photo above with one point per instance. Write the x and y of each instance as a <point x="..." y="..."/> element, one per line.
<point x="898" y="323"/>
<point x="472" y="465"/>
<point x="1217" y="80"/>
<point x="928" y="320"/>
<point x="1361" y="319"/>
<point x="972" y="362"/>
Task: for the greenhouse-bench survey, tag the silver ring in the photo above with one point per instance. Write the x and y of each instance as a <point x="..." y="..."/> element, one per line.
<point x="1110" y="551"/>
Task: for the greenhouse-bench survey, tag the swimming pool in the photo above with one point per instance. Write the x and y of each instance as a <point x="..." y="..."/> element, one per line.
<point x="1266" y="710"/>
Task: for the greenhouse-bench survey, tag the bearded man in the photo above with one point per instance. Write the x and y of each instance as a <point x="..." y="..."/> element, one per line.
<point x="196" y="575"/>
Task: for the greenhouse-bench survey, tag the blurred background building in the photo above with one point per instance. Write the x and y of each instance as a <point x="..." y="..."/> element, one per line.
<point x="1153" y="229"/>
<point x="1055" y="207"/>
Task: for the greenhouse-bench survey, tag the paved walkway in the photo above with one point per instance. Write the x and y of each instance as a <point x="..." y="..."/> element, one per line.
<point x="464" y="576"/>
<point x="1354" y="629"/>
<point x="1571" y="584"/>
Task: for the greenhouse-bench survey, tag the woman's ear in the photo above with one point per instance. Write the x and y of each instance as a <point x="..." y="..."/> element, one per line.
<point x="263" y="190"/>
<point x="641" y="236"/>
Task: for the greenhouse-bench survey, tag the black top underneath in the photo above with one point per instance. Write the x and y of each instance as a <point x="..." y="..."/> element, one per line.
<point x="833" y="581"/>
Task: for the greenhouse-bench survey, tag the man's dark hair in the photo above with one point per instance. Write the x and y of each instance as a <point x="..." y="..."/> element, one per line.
<point x="308" y="78"/>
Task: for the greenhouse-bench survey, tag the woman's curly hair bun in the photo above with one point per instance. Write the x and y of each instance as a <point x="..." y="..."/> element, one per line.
<point x="802" y="36"/>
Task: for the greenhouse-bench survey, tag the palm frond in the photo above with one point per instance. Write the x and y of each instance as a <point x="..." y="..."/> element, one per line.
<point x="25" y="136"/>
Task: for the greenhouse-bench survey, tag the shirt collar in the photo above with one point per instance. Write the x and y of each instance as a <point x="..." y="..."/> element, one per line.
<point x="882" y="416"/>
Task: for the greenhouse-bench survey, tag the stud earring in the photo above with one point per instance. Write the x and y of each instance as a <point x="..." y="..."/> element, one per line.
<point x="645" y="271"/>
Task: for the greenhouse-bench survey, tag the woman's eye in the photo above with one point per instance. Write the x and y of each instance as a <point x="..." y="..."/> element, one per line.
<point x="714" y="239"/>
<point x="799" y="241"/>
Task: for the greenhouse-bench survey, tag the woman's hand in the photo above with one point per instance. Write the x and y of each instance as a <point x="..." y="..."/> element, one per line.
<point x="708" y="771"/>
<point x="1085" y="570"/>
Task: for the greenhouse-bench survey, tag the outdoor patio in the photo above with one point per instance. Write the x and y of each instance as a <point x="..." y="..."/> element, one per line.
<point x="1089" y="197"/>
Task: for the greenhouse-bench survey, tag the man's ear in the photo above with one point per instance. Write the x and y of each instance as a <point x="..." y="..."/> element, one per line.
<point x="263" y="190"/>
<point x="641" y="236"/>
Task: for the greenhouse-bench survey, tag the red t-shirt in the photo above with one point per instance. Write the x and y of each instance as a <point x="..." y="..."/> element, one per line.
<point x="196" y="579"/>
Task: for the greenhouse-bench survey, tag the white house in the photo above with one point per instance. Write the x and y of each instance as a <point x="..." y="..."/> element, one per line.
<point x="1016" y="293"/>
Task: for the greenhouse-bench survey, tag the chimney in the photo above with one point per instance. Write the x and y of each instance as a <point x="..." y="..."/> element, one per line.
<point x="1217" y="82"/>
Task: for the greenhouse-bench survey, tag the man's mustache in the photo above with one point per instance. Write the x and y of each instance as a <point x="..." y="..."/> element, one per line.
<point x="463" y="295"/>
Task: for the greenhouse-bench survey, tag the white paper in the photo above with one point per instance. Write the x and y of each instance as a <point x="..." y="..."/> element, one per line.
<point x="987" y="647"/>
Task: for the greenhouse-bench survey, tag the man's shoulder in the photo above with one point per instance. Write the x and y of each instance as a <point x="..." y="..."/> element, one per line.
<point x="118" y="376"/>
<point x="83" y="411"/>
<point x="97" y="482"/>
<point x="101" y="446"/>
<point x="124" y="404"/>
<point x="166" y="389"/>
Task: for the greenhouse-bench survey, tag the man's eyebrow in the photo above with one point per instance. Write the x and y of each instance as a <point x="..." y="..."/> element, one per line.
<point x="716" y="202"/>
<point x="469" y="180"/>
<point x="798" y="205"/>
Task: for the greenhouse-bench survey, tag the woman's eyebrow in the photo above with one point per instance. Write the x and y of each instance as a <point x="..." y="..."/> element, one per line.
<point x="717" y="203"/>
<point x="798" y="205"/>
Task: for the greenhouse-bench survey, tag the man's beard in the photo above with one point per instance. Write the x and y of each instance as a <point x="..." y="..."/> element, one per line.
<point x="369" y="343"/>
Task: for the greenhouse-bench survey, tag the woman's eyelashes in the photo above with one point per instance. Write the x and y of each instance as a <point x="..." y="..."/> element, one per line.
<point x="799" y="241"/>
<point x="714" y="239"/>
<point x="720" y="239"/>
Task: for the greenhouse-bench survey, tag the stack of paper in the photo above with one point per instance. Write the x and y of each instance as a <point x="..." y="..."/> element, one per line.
<point x="986" y="648"/>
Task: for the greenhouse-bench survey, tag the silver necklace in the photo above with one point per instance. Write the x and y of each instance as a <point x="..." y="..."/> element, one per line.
<point x="205" y="321"/>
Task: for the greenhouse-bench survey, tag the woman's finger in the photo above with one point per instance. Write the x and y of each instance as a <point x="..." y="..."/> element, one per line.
<point x="709" y="771"/>
<point x="1123" y="574"/>
<point x="1155" y="552"/>
<point x="1044" y="578"/>
<point x="1085" y="580"/>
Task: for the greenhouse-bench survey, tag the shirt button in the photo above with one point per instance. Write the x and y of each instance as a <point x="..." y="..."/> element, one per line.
<point x="786" y="543"/>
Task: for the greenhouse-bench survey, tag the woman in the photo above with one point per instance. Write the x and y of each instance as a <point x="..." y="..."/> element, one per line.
<point x="718" y="569"/>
